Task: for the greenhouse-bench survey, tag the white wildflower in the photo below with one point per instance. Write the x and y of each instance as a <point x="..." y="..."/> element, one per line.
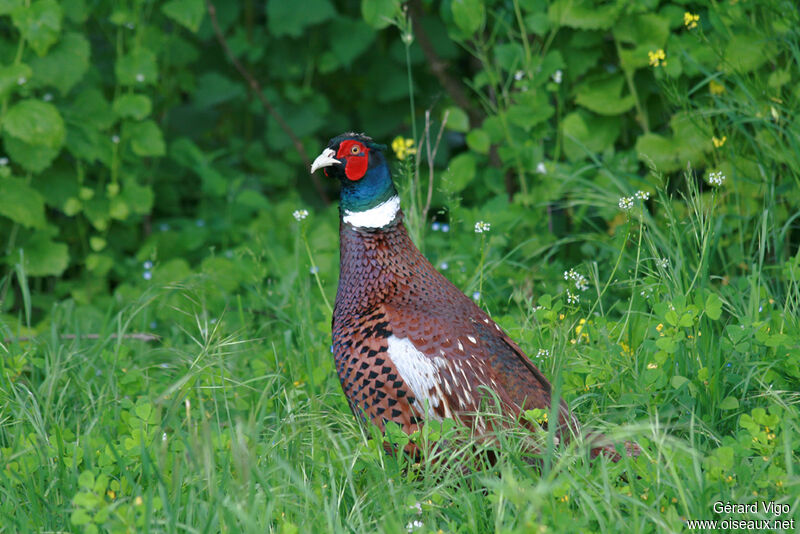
<point x="21" y="80"/>
<point x="519" y="75"/>
<point x="313" y="269"/>
<point x="573" y="298"/>
<point x="581" y="283"/>
<point x="663" y="263"/>
<point x="3" y="162"/>
<point x="642" y="195"/>
<point x="140" y="77"/>
<point x="625" y="203"/>
<point x="482" y="226"/>
<point x="557" y="75"/>
<point x="716" y="178"/>
<point x="476" y="295"/>
<point x="47" y="97"/>
<point x="543" y="353"/>
<point x="115" y="139"/>
<point x="414" y="525"/>
<point x="299" y="215"/>
<point x="540" y="168"/>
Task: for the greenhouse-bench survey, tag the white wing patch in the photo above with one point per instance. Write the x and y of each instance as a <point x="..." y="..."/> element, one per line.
<point x="377" y="217"/>
<point x="421" y="375"/>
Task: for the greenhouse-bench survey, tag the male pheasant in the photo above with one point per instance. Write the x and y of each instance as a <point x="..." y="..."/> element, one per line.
<point x="408" y="344"/>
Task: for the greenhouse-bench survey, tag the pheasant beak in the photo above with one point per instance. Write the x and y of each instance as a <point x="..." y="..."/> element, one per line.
<point x="326" y="159"/>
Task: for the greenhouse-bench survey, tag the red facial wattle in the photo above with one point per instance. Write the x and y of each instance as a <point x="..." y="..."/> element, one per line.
<point x="356" y="157"/>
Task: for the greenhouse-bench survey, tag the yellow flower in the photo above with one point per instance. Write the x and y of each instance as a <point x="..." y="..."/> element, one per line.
<point x="690" y="20"/>
<point x="719" y="142"/>
<point x="716" y="88"/>
<point x="403" y="147"/>
<point x="657" y="58"/>
<point x="138" y="501"/>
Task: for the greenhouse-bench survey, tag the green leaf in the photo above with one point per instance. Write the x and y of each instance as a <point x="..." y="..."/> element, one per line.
<point x="79" y="517"/>
<point x="187" y="13"/>
<point x="583" y="14"/>
<point x="359" y="38"/>
<point x="32" y="158"/>
<point x="603" y="95"/>
<point x="44" y="257"/>
<point x="214" y="88"/>
<point x="713" y="306"/>
<point x="457" y="119"/>
<point x="36" y="123"/>
<point x="379" y="13"/>
<point x="459" y="173"/>
<point x="65" y="65"/>
<point x="747" y="52"/>
<point x="586" y="133"/>
<point x="11" y="76"/>
<point x="729" y="403"/>
<point x="39" y="23"/>
<point x="137" y="67"/>
<point x="145" y="137"/>
<point x="641" y="33"/>
<point x="531" y="108"/>
<point x="287" y="17"/>
<point x="478" y="140"/>
<point x="8" y="6"/>
<point x="21" y="203"/>
<point x="139" y="198"/>
<point x="132" y="106"/>
<point x="469" y="15"/>
<point x="677" y="381"/>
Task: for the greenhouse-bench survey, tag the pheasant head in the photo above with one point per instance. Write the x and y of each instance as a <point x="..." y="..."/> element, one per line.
<point x="368" y="197"/>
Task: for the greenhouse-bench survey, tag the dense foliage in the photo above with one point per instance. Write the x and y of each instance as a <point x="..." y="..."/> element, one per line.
<point x="637" y="163"/>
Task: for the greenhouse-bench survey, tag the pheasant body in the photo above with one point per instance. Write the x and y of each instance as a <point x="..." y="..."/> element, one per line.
<point x="407" y="343"/>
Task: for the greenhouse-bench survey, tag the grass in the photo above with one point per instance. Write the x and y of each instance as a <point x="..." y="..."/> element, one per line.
<point x="235" y="422"/>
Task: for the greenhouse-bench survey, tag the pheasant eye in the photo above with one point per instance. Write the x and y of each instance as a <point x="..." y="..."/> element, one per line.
<point x="355" y="149"/>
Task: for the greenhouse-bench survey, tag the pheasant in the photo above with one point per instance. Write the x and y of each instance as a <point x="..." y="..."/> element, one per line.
<point x="409" y="346"/>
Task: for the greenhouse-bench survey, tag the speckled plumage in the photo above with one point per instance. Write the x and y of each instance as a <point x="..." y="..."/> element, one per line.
<point x="409" y="345"/>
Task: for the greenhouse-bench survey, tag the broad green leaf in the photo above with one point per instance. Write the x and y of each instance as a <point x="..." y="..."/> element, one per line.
<point x="478" y="140"/>
<point x="729" y="403"/>
<point x="379" y="13"/>
<point x="603" y="95"/>
<point x="44" y="257"/>
<point x="21" y="203"/>
<point x="531" y="108"/>
<point x="8" y="6"/>
<point x="139" y="198"/>
<point x="459" y="173"/>
<point x="97" y="243"/>
<point x="64" y="65"/>
<point x="640" y="33"/>
<point x="713" y="307"/>
<point x="583" y="14"/>
<point x="137" y="67"/>
<point x="359" y="38"/>
<point x="746" y="52"/>
<point x="91" y="108"/>
<point x="214" y="88"/>
<point x="11" y="76"/>
<point x="145" y="137"/>
<point x="35" y="122"/>
<point x="132" y="106"/>
<point x="457" y="119"/>
<point x="289" y="17"/>
<point x="32" y="158"/>
<point x="469" y="15"/>
<point x="187" y="13"/>
<point x="39" y="23"/>
<point x="585" y="134"/>
<point x="677" y="381"/>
